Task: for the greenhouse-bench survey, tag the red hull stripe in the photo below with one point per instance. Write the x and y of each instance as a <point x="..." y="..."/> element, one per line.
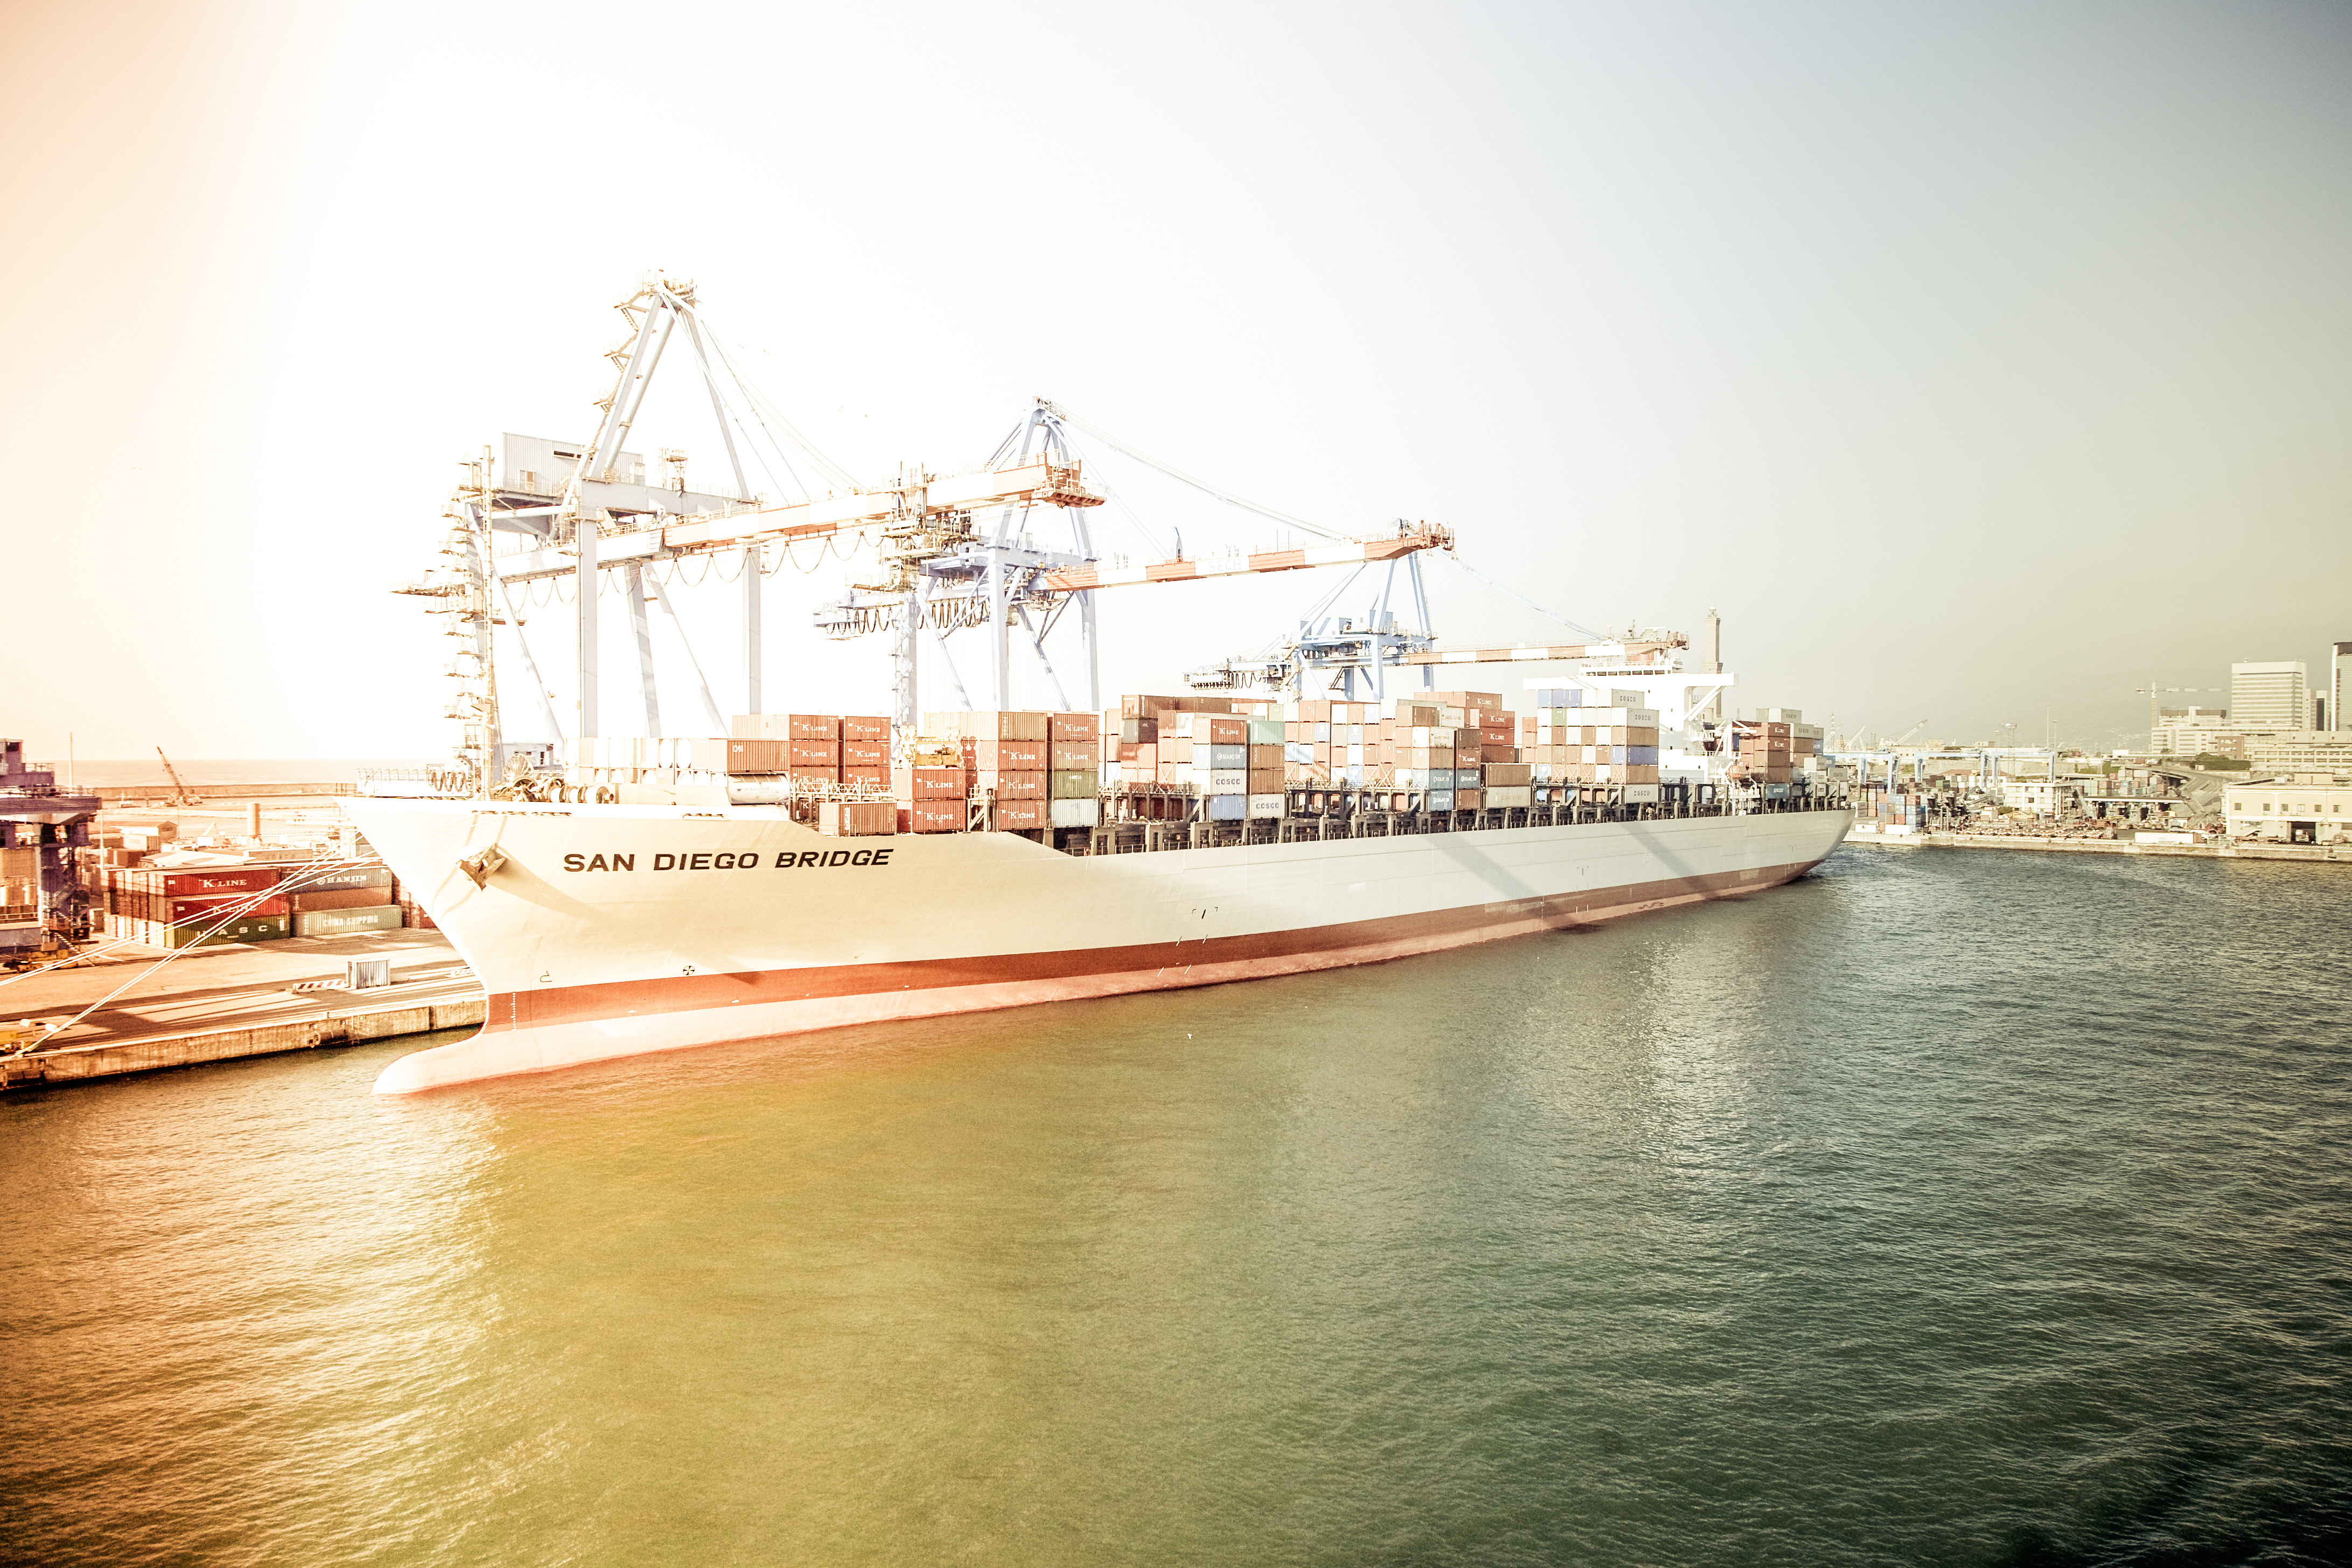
<point x="516" y="1010"/>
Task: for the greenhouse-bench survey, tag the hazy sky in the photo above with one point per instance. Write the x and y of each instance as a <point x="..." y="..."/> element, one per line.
<point x="1972" y="359"/>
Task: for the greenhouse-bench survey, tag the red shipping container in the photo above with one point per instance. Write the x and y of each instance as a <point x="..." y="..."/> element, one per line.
<point x="196" y="884"/>
<point x="874" y="780"/>
<point x="1013" y="816"/>
<point x="1067" y="755"/>
<point x="864" y="727"/>
<point x="824" y="754"/>
<point x="813" y="726"/>
<point x="1072" y="726"/>
<point x="814" y="775"/>
<point x="928" y="783"/>
<point x="204" y="911"/>
<point x="1224" y="732"/>
<point x="1025" y="784"/>
<point x="1007" y="724"/>
<point x="1007" y="756"/>
<point x="752" y="757"/>
<point x="935" y="816"/>
<point x="864" y="755"/>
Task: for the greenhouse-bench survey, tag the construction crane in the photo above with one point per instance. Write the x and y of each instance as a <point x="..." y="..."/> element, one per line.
<point x="180" y="793"/>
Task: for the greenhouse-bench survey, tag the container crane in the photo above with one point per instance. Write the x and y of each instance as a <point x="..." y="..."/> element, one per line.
<point x="954" y="549"/>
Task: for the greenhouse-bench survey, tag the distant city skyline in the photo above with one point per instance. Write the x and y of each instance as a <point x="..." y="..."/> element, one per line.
<point x="1974" y="361"/>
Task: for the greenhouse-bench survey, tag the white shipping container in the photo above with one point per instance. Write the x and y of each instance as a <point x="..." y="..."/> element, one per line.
<point x="1511" y="795"/>
<point x="1220" y="781"/>
<point x="1074" y="813"/>
<point x="1266" y="805"/>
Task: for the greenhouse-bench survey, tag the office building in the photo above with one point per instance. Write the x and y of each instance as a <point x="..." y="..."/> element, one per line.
<point x="2269" y="695"/>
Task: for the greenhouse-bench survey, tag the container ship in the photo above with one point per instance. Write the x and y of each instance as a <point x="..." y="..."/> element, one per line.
<point x="1295" y="811"/>
<point x="697" y="912"/>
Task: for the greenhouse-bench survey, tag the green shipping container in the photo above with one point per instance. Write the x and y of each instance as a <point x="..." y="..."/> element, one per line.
<point x="257" y="928"/>
<point x="1077" y="784"/>
<point x="347" y="922"/>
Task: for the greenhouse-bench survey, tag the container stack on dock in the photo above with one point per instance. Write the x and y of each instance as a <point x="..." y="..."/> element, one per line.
<point x="209" y="899"/>
<point x="180" y="907"/>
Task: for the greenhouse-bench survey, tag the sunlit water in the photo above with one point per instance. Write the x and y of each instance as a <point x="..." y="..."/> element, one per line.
<point x="1945" y="1207"/>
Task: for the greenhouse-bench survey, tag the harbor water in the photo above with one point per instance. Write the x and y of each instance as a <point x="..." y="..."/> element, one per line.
<point x="1944" y="1208"/>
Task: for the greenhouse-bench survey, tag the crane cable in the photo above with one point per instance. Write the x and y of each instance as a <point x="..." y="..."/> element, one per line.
<point x="1116" y="445"/>
<point x="1530" y="603"/>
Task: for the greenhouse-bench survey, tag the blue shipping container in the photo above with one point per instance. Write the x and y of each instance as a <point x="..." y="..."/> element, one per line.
<point x="1438" y="800"/>
<point x="1227" y="807"/>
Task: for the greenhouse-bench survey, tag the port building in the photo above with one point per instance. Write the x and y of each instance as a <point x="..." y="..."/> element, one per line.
<point x="2289" y="813"/>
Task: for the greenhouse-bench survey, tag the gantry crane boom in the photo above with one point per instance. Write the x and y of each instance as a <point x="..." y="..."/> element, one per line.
<point x="1635" y="652"/>
<point x="1347" y="552"/>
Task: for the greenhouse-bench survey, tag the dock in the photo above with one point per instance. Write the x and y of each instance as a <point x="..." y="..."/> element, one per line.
<point x="2338" y="853"/>
<point x="225" y="1003"/>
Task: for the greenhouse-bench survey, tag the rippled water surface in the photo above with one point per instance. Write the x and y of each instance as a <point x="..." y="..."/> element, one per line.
<point x="1944" y="1208"/>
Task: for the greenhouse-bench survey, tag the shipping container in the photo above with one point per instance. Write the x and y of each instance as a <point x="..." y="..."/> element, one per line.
<point x="864" y="727"/>
<point x="1027" y="784"/>
<point x="865" y="753"/>
<point x="250" y="928"/>
<point x="1437" y="800"/>
<point x="1510" y="796"/>
<point x="1066" y="755"/>
<point x="347" y="922"/>
<point x="856" y="818"/>
<point x="1007" y="756"/>
<point x="1005" y="724"/>
<point x="197" y="883"/>
<point x="1225" y="807"/>
<point x="1074" y="813"/>
<point x="926" y="815"/>
<point x="1018" y="815"/>
<point x="873" y="781"/>
<point x="307" y="900"/>
<point x="1073" y="726"/>
<point x="1075" y="784"/>
<point x="1267" y="804"/>
<point x="357" y="876"/>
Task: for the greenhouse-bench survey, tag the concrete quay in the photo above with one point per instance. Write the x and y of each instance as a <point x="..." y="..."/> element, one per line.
<point x="211" y="1005"/>
<point x="2341" y="854"/>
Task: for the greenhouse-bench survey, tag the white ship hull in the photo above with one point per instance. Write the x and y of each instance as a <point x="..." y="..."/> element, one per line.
<point x="616" y="930"/>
